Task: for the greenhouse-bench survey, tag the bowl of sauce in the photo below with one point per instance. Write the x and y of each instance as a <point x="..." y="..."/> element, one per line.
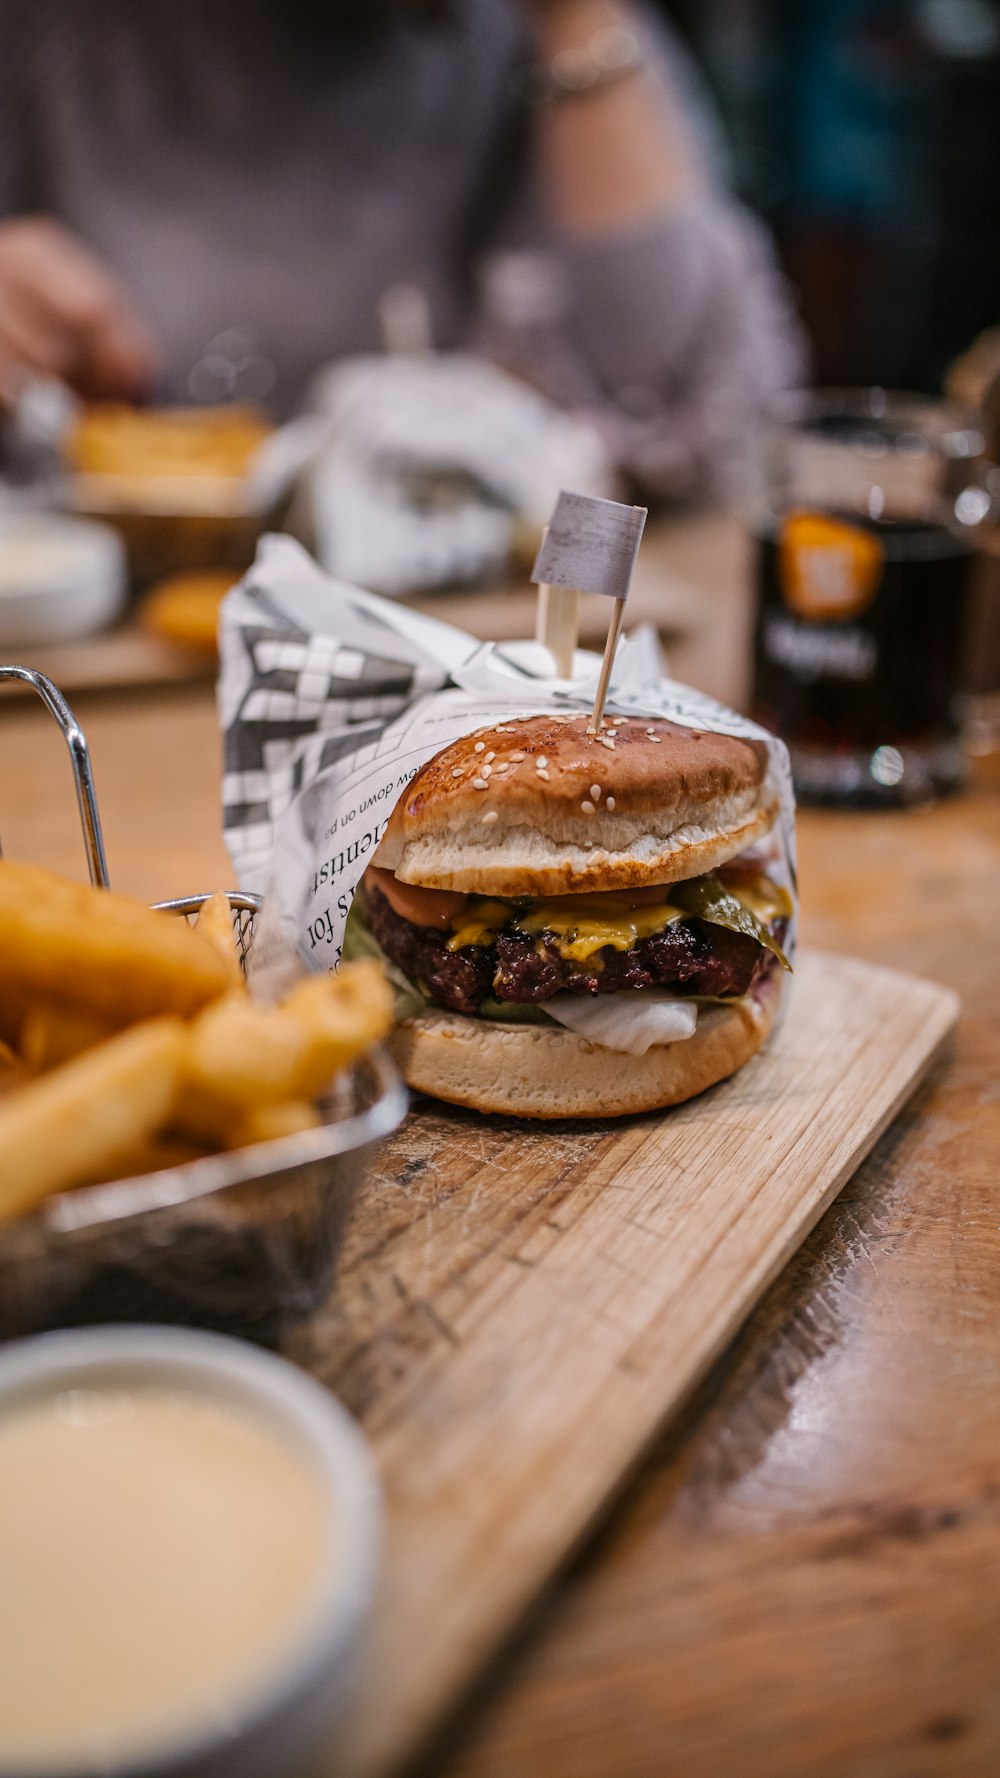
<point x="188" y="1547"/>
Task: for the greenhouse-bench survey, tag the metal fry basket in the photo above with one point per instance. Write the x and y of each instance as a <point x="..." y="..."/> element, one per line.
<point x="243" y="905"/>
<point x="244" y="1242"/>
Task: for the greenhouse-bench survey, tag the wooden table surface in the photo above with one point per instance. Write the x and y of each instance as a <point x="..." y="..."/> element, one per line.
<point x="804" y="1582"/>
<point x="683" y="562"/>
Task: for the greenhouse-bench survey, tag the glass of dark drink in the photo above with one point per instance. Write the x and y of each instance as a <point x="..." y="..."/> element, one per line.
<point x="866" y="523"/>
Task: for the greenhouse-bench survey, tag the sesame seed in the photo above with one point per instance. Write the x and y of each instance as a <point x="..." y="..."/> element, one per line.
<point x="616" y="721"/>
<point x="607" y="742"/>
<point x="480" y="746"/>
<point x="610" y="805"/>
<point x="595" y="791"/>
<point x="542" y="773"/>
<point x="489" y="756"/>
<point x="587" y="807"/>
<point x="487" y="771"/>
<point x="456" y="771"/>
<point x="657" y="739"/>
<point x="516" y="758"/>
<point x="541" y="760"/>
<point x="502" y="767"/>
<point x="479" y="784"/>
<point x="490" y="815"/>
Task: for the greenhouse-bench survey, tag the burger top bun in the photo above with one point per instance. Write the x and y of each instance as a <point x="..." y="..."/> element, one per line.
<point x="537" y="806"/>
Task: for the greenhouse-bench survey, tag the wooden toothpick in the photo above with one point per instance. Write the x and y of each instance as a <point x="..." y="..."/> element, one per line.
<point x="610" y="650"/>
<point x="558" y="625"/>
<point x="591" y="544"/>
<point x="557" y="622"/>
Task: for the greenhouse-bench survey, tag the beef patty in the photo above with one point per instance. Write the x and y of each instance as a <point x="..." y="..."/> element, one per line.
<point x="689" y="956"/>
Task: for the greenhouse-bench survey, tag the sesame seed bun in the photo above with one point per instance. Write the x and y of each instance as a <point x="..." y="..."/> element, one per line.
<point x="542" y="1072"/>
<point x="537" y="806"/>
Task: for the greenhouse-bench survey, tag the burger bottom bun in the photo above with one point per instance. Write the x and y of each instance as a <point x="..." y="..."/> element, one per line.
<point x="535" y="1071"/>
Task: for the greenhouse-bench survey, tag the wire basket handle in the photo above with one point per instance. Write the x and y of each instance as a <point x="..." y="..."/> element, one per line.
<point x="83" y="777"/>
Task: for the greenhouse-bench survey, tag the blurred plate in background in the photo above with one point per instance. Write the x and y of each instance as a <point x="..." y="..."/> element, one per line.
<point x="60" y="578"/>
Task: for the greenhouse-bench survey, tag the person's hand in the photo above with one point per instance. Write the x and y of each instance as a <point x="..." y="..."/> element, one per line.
<point x="588" y="14"/>
<point x="63" y="315"/>
<point x="560" y="26"/>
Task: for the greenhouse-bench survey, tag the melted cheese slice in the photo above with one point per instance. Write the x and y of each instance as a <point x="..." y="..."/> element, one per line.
<point x="584" y="925"/>
<point x="479" y="922"/>
<point x="630" y="1022"/>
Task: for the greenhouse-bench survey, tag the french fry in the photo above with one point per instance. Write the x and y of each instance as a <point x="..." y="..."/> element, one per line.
<point x="99" y="951"/>
<point x="12" y="1072"/>
<point x="199" y="1066"/>
<point x="269" y="1123"/>
<point x="215" y="923"/>
<point x="216" y="1127"/>
<point x="342" y="1016"/>
<point x="77" y="1122"/>
<point x="53" y="1033"/>
<point x="152" y="1155"/>
<point x="13" y="1006"/>
<point x="185" y="607"/>
<point x="241" y="1054"/>
<point x="246" y="1054"/>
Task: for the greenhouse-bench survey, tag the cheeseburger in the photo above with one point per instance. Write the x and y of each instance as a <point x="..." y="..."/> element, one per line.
<point x="579" y="925"/>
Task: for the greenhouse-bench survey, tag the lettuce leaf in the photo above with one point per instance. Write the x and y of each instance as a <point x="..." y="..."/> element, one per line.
<point x="360" y="941"/>
<point x="507" y="1012"/>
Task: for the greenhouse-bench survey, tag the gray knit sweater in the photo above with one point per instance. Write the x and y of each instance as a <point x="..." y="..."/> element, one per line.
<point x="241" y="172"/>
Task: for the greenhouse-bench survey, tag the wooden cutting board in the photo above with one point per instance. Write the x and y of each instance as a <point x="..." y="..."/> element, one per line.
<point x="520" y="1308"/>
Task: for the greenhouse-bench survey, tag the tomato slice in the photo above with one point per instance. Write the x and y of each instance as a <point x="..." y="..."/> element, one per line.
<point x="422" y="907"/>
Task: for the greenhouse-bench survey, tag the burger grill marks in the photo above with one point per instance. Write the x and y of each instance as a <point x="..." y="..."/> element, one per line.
<point x="478" y="949"/>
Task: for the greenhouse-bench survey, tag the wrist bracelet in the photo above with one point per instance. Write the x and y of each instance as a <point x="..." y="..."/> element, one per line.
<point x="610" y="56"/>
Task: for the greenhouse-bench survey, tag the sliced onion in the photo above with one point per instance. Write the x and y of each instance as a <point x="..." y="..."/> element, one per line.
<point x="631" y="1021"/>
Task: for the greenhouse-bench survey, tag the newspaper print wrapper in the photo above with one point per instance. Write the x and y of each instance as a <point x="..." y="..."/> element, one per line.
<point x="331" y="700"/>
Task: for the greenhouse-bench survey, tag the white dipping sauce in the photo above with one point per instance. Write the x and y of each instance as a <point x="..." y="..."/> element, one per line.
<point x="159" y="1559"/>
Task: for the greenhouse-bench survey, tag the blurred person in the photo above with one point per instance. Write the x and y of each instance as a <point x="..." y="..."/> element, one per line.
<point x="202" y="198"/>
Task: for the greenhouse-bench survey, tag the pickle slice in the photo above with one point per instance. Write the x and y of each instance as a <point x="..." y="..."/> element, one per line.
<point x="705" y="898"/>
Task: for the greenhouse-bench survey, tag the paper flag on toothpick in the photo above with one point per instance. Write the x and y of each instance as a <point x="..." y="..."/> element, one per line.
<point x="591" y="545"/>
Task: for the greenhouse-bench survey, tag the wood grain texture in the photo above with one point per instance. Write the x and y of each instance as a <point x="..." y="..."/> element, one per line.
<point x="156" y="759"/>
<point x="519" y="1309"/>
<point x="120" y="659"/>
<point x="682" y="562"/>
<point x="804" y="1579"/>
